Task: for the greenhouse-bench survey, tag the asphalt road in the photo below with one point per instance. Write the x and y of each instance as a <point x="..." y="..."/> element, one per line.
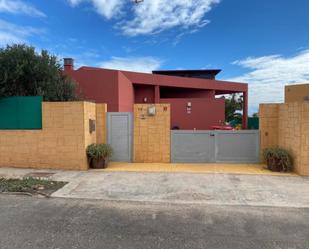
<point x="31" y="222"/>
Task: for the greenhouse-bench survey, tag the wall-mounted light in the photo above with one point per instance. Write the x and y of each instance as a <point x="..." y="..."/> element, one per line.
<point x="145" y="99"/>
<point x="189" y="107"/>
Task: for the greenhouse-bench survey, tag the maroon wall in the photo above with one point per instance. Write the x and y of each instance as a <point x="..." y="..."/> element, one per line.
<point x="142" y="91"/>
<point x="220" y="87"/>
<point x="98" y="85"/>
<point x="121" y="89"/>
<point x="204" y="113"/>
<point x="125" y="93"/>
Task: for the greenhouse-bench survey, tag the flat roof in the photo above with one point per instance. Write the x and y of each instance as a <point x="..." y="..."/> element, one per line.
<point x="214" y="71"/>
<point x="220" y="86"/>
<point x="201" y="73"/>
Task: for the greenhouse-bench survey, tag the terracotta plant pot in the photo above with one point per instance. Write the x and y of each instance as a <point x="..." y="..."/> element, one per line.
<point x="100" y="163"/>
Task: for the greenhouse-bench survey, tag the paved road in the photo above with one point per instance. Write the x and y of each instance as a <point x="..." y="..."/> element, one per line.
<point x="39" y="223"/>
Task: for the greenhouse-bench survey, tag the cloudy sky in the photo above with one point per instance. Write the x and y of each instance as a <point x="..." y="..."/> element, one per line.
<point x="261" y="42"/>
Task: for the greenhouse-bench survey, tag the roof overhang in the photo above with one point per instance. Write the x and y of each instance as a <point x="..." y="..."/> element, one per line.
<point x="220" y="87"/>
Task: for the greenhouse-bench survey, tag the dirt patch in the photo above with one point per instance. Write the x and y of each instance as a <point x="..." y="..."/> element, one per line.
<point x="30" y="186"/>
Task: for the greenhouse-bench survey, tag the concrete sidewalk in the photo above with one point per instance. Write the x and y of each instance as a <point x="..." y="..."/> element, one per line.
<point x="219" y="189"/>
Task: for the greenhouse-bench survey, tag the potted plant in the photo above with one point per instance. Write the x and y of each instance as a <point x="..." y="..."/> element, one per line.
<point x="98" y="155"/>
<point x="278" y="159"/>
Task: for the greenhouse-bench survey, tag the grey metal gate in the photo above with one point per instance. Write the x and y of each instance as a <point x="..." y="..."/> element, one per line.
<point x="192" y="146"/>
<point x="119" y="135"/>
<point x="238" y="146"/>
<point x="215" y="146"/>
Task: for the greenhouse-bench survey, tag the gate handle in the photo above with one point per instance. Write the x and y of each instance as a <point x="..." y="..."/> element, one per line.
<point x="212" y="134"/>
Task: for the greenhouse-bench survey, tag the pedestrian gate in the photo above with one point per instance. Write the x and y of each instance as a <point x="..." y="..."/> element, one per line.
<point x="119" y="135"/>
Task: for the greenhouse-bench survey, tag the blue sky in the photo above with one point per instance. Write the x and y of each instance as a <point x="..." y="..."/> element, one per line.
<point x="262" y="42"/>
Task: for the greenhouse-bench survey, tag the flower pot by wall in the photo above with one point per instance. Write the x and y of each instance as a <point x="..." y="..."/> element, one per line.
<point x="100" y="163"/>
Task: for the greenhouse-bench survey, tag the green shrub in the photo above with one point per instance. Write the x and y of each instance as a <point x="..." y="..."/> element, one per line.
<point x="25" y="72"/>
<point x="278" y="159"/>
<point x="98" y="151"/>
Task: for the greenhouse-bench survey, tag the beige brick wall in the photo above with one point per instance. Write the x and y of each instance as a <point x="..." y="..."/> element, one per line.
<point x="290" y="130"/>
<point x="151" y="134"/>
<point x="296" y="93"/>
<point x="304" y="154"/>
<point x="269" y="122"/>
<point x="60" y="144"/>
<point x="101" y="110"/>
<point x="287" y="125"/>
<point x="89" y="113"/>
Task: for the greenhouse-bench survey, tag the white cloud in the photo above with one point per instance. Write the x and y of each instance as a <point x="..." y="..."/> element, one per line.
<point x="11" y="33"/>
<point x="106" y="8"/>
<point x="159" y="15"/>
<point x="153" y="16"/>
<point x="269" y="74"/>
<point x="136" y="64"/>
<point x="19" y="7"/>
<point x="6" y="38"/>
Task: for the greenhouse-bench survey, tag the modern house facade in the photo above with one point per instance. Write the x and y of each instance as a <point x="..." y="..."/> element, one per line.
<point x="192" y="94"/>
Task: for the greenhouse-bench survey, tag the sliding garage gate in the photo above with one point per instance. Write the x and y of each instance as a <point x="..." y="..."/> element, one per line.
<point x="215" y="146"/>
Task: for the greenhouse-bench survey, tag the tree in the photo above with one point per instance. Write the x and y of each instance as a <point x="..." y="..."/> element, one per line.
<point x="233" y="105"/>
<point x="24" y="72"/>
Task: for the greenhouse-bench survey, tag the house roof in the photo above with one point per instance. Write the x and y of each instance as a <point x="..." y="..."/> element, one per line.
<point x="220" y="87"/>
<point x="202" y="74"/>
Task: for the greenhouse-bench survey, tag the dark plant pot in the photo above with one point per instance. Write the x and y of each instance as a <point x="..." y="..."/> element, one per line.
<point x="275" y="164"/>
<point x="100" y="163"/>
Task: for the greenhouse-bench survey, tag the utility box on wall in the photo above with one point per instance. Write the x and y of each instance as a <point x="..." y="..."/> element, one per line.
<point x="152" y="110"/>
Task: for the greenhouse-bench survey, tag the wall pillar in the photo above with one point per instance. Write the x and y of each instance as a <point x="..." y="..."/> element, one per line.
<point x="157" y="94"/>
<point x="245" y="111"/>
<point x="101" y="110"/>
<point x="152" y="134"/>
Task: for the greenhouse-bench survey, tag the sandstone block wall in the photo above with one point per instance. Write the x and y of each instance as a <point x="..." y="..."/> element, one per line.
<point x="287" y="125"/>
<point x="101" y="110"/>
<point x="61" y="143"/>
<point x="296" y="93"/>
<point x="151" y="134"/>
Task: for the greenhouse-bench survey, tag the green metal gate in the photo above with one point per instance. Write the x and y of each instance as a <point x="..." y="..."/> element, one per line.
<point x="20" y="113"/>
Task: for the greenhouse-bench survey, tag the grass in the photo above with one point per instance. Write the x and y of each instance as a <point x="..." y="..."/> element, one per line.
<point x="30" y="185"/>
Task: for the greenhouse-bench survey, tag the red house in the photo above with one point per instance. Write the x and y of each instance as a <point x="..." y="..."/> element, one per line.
<point x="191" y="93"/>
